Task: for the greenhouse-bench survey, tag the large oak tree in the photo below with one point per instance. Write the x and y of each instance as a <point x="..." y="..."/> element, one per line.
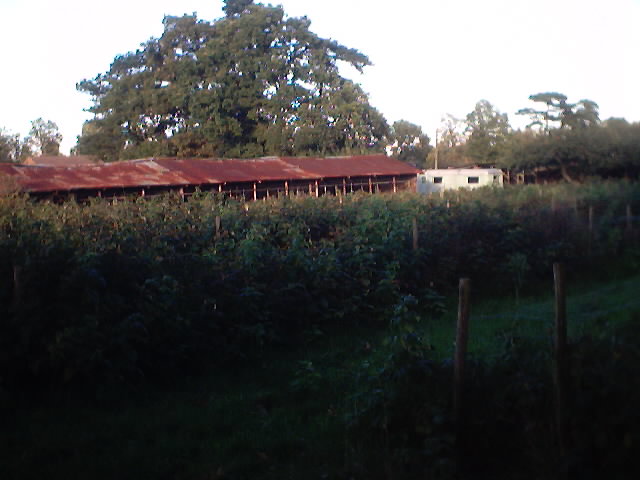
<point x="255" y="82"/>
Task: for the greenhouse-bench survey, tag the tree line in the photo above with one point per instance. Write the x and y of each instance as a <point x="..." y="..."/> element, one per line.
<point x="257" y="82"/>
<point x="43" y="139"/>
<point x="562" y="140"/>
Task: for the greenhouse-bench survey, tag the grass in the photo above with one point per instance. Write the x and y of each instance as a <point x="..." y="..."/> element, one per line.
<point x="281" y="418"/>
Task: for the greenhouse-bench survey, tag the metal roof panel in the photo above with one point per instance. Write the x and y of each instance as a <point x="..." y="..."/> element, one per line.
<point x="198" y="171"/>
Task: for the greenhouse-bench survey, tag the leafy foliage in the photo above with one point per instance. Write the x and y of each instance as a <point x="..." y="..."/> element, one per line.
<point x="409" y="143"/>
<point x="147" y="287"/>
<point x="607" y="150"/>
<point x="44" y="137"/>
<point x="12" y="149"/>
<point x="558" y="111"/>
<point x="253" y="83"/>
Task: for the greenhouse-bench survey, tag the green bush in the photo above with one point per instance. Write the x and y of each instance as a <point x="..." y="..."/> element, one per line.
<point x="148" y="288"/>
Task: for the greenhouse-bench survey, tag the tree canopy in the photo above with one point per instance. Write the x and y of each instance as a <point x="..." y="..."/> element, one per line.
<point x="10" y="146"/>
<point x="44" y="137"/>
<point x="611" y="149"/>
<point x="487" y="131"/>
<point x="252" y="83"/>
<point x="408" y="143"/>
<point x="558" y="111"/>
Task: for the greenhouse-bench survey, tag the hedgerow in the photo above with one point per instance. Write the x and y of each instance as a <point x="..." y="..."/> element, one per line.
<point x="150" y="287"/>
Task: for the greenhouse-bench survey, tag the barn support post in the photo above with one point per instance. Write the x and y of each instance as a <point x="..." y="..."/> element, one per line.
<point x="344" y="186"/>
<point x="317" y="192"/>
<point x="286" y="188"/>
<point x="370" y="186"/>
<point x="395" y="187"/>
<point x="255" y="191"/>
<point x="310" y="189"/>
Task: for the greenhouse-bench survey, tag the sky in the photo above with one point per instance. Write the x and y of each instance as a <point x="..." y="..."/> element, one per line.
<point x="429" y="58"/>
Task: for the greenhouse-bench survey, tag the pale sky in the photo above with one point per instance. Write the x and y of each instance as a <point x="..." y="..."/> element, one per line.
<point x="430" y="58"/>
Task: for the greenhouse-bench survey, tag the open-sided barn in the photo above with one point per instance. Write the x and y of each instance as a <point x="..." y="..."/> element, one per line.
<point x="249" y="179"/>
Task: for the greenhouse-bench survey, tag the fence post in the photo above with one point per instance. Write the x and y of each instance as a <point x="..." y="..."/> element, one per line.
<point x="462" y="336"/>
<point x="218" y="225"/>
<point x="416" y="235"/>
<point x="561" y="357"/>
<point x="17" y="286"/>
<point x="590" y="227"/>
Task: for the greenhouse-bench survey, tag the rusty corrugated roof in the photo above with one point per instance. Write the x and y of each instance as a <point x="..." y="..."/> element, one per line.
<point x="63" y="160"/>
<point x="163" y="172"/>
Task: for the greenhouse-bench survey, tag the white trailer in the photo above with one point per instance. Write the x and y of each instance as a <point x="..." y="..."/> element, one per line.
<point x="435" y="181"/>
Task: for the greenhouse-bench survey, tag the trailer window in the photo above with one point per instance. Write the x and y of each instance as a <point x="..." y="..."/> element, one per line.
<point x="437" y="179"/>
<point x="473" y="179"/>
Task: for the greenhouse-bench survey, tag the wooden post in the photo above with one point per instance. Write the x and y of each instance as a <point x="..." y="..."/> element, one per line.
<point x="395" y="186"/>
<point x="17" y="286"/>
<point x="286" y="188"/>
<point x="370" y="186"/>
<point x="590" y="230"/>
<point x="561" y="357"/>
<point x="462" y="336"/>
<point x="344" y="186"/>
<point x="218" y="224"/>
<point x="255" y="191"/>
<point x="317" y="193"/>
<point x="416" y="238"/>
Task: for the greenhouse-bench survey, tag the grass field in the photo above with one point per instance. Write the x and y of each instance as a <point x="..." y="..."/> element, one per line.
<point x="282" y="416"/>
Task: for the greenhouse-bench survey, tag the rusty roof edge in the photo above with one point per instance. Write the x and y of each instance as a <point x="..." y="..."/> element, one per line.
<point x="171" y="172"/>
